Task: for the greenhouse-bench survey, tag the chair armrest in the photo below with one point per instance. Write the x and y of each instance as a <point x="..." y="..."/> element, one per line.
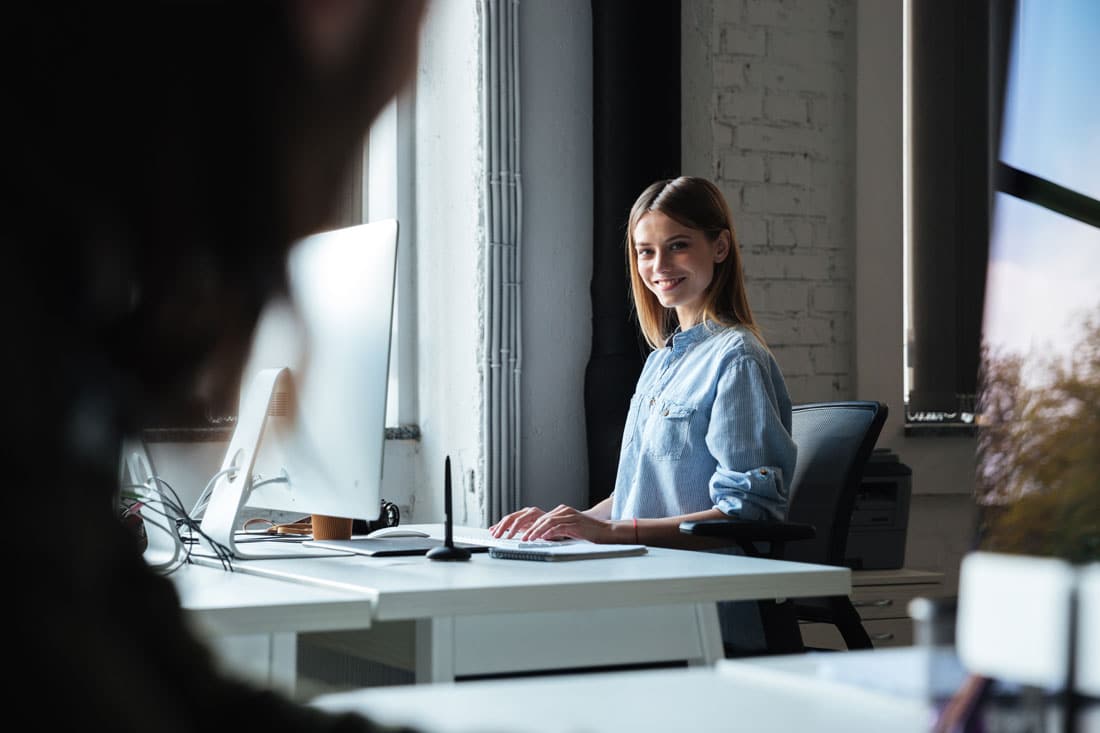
<point x="743" y="530"/>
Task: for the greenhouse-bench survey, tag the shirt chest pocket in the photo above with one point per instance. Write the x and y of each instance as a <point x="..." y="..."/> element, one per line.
<point x="667" y="431"/>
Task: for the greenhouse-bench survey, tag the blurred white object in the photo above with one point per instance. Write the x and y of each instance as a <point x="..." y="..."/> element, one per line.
<point x="1014" y="618"/>
<point x="1087" y="668"/>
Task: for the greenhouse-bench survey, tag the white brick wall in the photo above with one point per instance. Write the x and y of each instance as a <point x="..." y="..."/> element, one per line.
<point x="783" y="79"/>
<point x="747" y="64"/>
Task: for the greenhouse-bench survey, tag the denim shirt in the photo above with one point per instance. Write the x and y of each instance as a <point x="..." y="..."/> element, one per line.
<point x="709" y="426"/>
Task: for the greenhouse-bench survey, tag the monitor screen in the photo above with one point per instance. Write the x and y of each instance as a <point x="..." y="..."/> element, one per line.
<point x="1038" y="483"/>
<point x="310" y="431"/>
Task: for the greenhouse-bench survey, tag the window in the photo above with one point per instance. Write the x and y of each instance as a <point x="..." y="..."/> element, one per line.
<point x="949" y="95"/>
<point x="387" y="192"/>
<point x="1046" y="234"/>
<point x="970" y="181"/>
<point x="379" y="187"/>
<point x="1037" y="449"/>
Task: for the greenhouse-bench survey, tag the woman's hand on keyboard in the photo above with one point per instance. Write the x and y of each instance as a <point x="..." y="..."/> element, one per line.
<point x="561" y="522"/>
<point x="518" y="521"/>
<point x="565" y="521"/>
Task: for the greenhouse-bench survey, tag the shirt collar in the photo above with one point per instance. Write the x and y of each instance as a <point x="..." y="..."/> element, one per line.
<point x="681" y="341"/>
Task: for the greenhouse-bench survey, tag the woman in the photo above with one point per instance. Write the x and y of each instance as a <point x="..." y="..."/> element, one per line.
<point x="708" y="433"/>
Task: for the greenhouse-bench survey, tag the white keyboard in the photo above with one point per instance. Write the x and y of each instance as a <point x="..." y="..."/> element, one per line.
<point x="512" y="544"/>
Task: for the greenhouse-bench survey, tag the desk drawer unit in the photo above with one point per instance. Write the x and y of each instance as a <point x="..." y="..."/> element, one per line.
<point x="501" y="644"/>
<point x="882" y="599"/>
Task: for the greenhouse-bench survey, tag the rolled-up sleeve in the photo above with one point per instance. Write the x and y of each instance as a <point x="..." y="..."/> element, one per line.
<point x="753" y="447"/>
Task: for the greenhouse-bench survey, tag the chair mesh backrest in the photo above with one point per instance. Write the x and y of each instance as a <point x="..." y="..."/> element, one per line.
<point x="834" y="441"/>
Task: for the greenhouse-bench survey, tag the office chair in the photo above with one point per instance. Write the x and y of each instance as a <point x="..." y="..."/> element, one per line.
<point x="834" y="440"/>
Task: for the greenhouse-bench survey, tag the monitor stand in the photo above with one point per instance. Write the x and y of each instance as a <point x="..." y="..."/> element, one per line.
<point x="268" y="388"/>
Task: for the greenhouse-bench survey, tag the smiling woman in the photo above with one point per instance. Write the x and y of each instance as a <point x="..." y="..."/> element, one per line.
<point x="687" y="210"/>
<point x="708" y="432"/>
<point x="677" y="263"/>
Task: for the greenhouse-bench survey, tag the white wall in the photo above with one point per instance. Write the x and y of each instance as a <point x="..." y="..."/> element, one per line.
<point x="449" y="253"/>
<point x="767" y="102"/>
<point x="556" y="132"/>
<point x="941" y="520"/>
<point x="943" y="465"/>
<point x="795" y="107"/>
<point x="187" y="466"/>
<point x="556" y="257"/>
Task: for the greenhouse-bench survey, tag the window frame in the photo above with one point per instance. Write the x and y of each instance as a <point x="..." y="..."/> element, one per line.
<point x="389" y="192"/>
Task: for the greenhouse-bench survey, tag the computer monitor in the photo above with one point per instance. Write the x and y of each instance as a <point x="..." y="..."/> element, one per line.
<point x="310" y="430"/>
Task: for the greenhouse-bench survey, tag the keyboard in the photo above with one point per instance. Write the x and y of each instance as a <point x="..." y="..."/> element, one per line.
<point x="515" y="544"/>
<point x="390" y="546"/>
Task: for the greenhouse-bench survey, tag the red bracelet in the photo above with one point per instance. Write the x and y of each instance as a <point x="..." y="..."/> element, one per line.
<point x="635" y="530"/>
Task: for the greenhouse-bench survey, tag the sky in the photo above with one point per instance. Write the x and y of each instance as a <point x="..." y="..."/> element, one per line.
<point x="1052" y="105"/>
<point x="1044" y="268"/>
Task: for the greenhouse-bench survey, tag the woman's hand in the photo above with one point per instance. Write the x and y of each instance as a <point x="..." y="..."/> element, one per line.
<point x="566" y="522"/>
<point x="518" y="521"/>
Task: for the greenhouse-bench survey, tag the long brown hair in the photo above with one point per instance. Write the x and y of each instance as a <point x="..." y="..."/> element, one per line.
<point x="697" y="204"/>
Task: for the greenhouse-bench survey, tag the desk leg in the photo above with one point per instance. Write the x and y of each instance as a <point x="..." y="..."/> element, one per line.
<point x="710" y="634"/>
<point x="284" y="661"/>
<point x="435" y="650"/>
<point x="270" y="660"/>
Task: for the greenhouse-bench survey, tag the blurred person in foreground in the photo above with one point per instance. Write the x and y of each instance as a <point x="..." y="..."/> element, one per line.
<point x="160" y="159"/>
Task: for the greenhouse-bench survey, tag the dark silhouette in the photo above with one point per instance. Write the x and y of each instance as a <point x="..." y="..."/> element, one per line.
<point x="160" y="157"/>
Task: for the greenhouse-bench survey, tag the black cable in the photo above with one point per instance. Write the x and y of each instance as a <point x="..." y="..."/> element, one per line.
<point x="183" y="519"/>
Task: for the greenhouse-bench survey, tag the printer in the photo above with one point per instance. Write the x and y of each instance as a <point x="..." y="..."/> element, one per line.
<point x="880" y="516"/>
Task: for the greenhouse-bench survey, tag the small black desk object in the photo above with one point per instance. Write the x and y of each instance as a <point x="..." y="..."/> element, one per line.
<point x="448" y="551"/>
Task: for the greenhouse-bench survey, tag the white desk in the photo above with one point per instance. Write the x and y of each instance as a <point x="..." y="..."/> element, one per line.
<point x="252" y="622"/>
<point x="753" y="695"/>
<point x="444" y="620"/>
<point x="897" y="690"/>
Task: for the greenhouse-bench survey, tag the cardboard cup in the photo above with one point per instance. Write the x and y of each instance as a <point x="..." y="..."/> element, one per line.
<point x="331" y="528"/>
